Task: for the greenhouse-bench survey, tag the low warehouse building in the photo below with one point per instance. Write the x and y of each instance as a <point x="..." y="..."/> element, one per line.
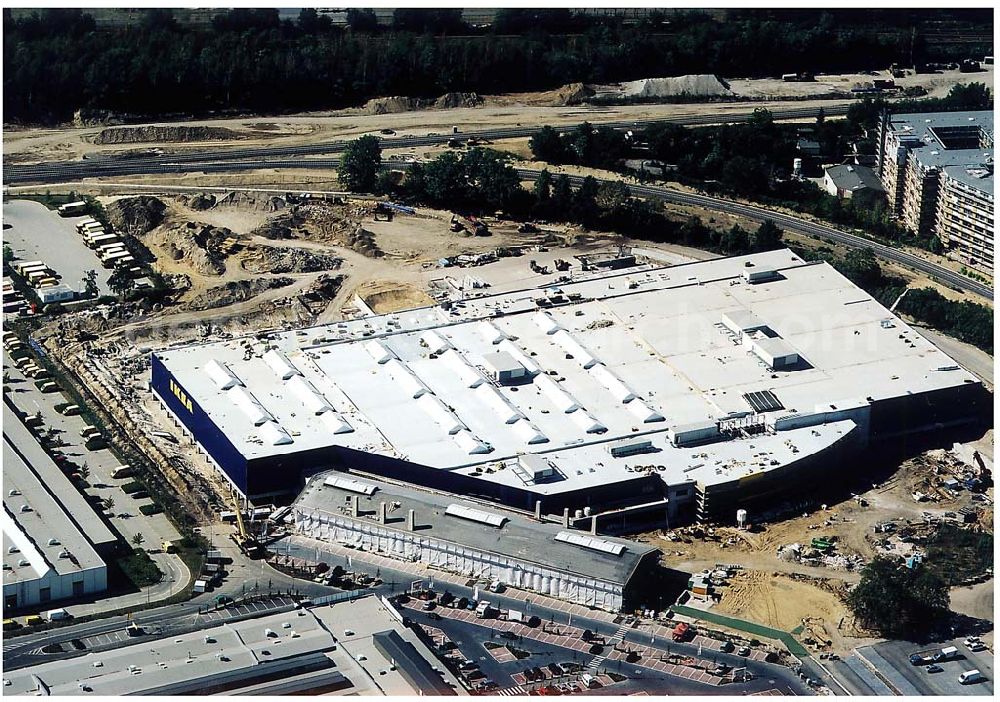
<point x="418" y="526"/>
<point x="51" y="535"/>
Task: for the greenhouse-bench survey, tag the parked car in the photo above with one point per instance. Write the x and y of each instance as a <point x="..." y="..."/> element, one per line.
<point x="727" y="647"/>
<point x="934" y="668"/>
<point x="744" y="651"/>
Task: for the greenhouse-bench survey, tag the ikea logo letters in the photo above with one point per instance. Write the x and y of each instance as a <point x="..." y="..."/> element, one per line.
<point x="181" y="395"/>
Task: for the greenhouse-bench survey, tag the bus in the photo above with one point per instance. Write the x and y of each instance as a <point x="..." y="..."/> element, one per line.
<point x="46" y="282"/>
<point x="72" y="209"/>
<point x="112" y="260"/>
<point x="126" y="261"/>
<point x="99" y="240"/>
<point x="26" y="265"/>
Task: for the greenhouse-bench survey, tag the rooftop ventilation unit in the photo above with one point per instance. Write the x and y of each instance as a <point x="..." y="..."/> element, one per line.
<point x="351" y="485"/>
<point x="280" y="364"/>
<point x="378" y="352"/>
<point x="274" y="435"/>
<point x="313" y="400"/>
<point x="590" y="542"/>
<point x="221" y="375"/>
<point x="476" y="515"/>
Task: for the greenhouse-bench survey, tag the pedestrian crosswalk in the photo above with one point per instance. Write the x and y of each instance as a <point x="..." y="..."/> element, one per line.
<point x="617" y="638"/>
<point x="515" y="691"/>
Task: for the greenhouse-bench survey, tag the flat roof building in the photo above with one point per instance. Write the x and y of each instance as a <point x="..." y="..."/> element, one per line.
<point x="625" y="355"/>
<point x="492" y="544"/>
<point x="937" y="170"/>
<point x="51" y="535"/>
<point x="332" y="648"/>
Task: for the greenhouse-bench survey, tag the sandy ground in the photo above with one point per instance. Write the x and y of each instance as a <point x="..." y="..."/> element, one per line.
<point x="384" y="296"/>
<point x="29" y="144"/>
<point x="779" y="601"/>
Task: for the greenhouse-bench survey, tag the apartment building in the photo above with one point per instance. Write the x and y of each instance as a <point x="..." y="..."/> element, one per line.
<point x="937" y="171"/>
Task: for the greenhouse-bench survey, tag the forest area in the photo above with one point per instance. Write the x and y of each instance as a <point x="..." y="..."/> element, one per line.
<point x="57" y="61"/>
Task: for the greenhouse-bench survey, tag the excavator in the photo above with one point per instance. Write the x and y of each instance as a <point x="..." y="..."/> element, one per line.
<point x="246" y="541"/>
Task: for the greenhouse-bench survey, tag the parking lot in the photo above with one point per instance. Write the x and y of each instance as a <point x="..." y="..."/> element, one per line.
<point x="892" y="660"/>
<point x="39" y="234"/>
<point x="100" y="464"/>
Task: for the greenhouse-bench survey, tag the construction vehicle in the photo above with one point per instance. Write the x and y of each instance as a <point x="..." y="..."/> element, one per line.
<point x="246" y="542"/>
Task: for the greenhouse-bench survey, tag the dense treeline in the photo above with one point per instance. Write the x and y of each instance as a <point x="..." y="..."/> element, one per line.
<point x="56" y="61"/>
<point x="754" y="159"/>
<point x="482" y="181"/>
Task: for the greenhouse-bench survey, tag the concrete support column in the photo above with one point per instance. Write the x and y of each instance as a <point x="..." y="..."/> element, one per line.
<point x="411" y="520"/>
<point x="566" y="517"/>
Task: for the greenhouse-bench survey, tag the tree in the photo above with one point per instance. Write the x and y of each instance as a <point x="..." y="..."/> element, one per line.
<point x="562" y="195"/>
<point x="90" y="283"/>
<point x="767" y="237"/>
<point x="311" y="22"/>
<point x="546" y="145"/>
<point x="862" y="268"/>
<point x="138" y="539"/>
<point x="109" y="503"/>
<point x="121" y="283"/>
<point x="8" y="253"/>
<point x="585" y="208"/>
<point x="360" y="164"/>
<point x="970" y="96"/>
<point x="898" y="601"/>
<point x="84" y="470"/>
<point x="543" y="191"/>
<point x="362" y="20"/>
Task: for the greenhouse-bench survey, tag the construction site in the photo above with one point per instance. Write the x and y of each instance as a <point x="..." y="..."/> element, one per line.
<point x="239" y="262"/>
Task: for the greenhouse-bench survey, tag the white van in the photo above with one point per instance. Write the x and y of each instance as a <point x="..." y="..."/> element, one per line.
<point x="970" y="676"/>
<point x="54" y="615"/>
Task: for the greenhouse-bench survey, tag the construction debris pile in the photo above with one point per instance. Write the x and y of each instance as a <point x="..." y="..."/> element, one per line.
<point x="272" y="259"/>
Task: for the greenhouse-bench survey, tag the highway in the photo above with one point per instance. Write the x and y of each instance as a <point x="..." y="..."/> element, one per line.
<point x="60" y="171"/>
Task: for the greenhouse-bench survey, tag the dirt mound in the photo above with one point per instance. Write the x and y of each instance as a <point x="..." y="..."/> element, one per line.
<point x="200" y="246"/>
<point x="135" y="215"/>
<point x="701" y="85"/>
<point x="200" y="202"/>
<point x="234" y="292"/>
<point x="274" y="259"/>
<point x="391" y="105"/>
<point x="385" y="296"/>
<point x="363" y="241"/>
<point x="248" y="201"/>
<point x="450" y="101"/>
<point x="571" y="94"/>
<point x="139" y="135"/>
<point x="96" y="118"/>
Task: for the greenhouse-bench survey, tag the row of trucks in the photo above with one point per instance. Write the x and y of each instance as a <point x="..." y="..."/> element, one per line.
<point x="933" y="658"/>
<point x="107" y="245"/>
<point x="36" y="274"/>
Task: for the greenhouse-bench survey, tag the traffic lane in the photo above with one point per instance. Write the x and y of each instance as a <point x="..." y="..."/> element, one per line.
<point x="897" y="653"/>
<point x="845" y="677"/>
<point x="779" y="675"/>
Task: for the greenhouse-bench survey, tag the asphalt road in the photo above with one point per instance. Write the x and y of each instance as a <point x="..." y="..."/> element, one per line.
<point x="184" y="160"/>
